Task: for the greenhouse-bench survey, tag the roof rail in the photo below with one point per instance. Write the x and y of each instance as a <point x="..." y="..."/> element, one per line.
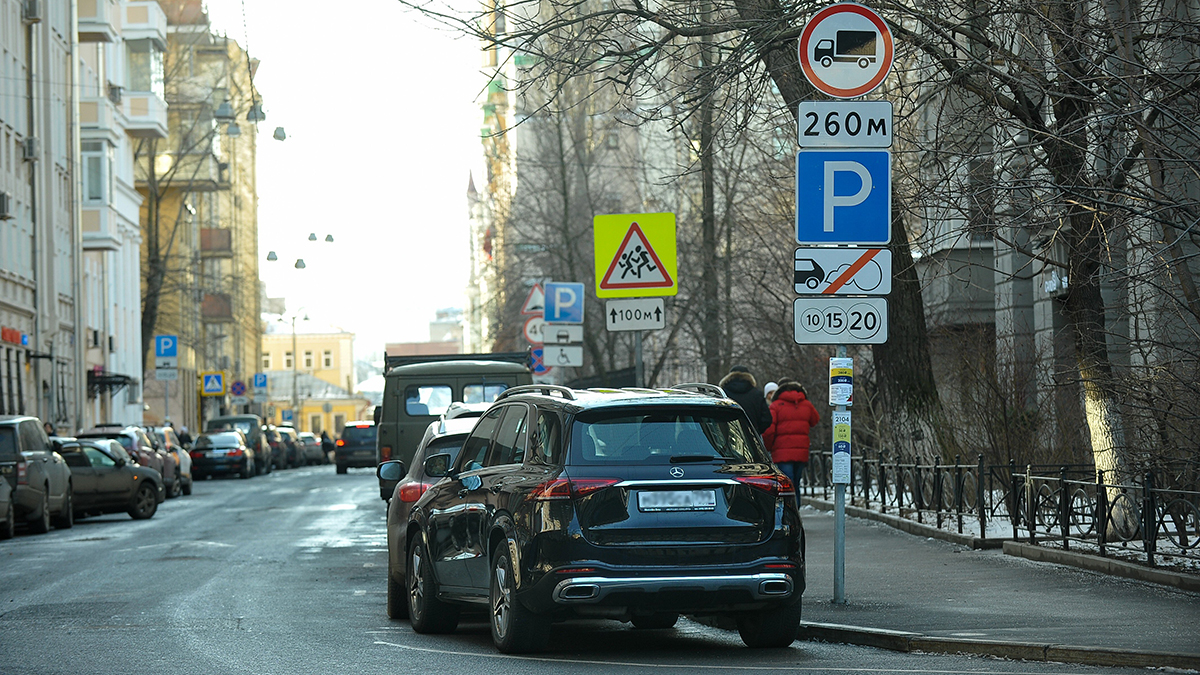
<point x="702" y="388"/>
<point x="546" y="389"/>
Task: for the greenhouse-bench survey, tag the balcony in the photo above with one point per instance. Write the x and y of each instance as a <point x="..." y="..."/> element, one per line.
<point x="145" y="20"/>
<point x="99" y="227"/>
<point x="98" y="120"/>
<point x="98" y="20"/>
<point x="216" y="242"/>
<point x="145" y="114"/>
<point x="216" y="308"/>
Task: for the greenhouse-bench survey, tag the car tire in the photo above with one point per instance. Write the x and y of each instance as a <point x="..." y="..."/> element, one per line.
<point x="426" y="613"/>
<point x="187" y="486"/>
<point x="65" y="520"/>
<point x="654" y="621"/>
<point x="176" y="488"/>
<point x="247" y="470"/>
<point x="145" y="502"/>
<point x="8" y="528"/>
<point x="397" y="599"/>
<point x="341" y="468"/>
<point x="42" y="524"/>
<point x="773" y="628"/>
<point x="515" y="628"/>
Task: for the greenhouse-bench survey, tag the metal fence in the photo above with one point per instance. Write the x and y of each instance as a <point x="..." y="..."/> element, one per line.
<point x="1048" y="504"/>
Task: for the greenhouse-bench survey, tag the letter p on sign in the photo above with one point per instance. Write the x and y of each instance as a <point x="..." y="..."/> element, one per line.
<point x="832" y="199"/>
<point x="851" y="190"/>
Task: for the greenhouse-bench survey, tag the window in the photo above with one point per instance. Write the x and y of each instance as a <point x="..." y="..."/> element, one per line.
<point x="339" y="423"/>
<point x="74" y="457"/>
<point x="99" y="459"/>
<point x="544" y="443"/>
<point x="314" y="424"/>
<point x="97" y="162"/>
<point x="287" y="359"/>
<point x="145" y="67"/>
<point x="308" y="359"/>
<point x="327" y="359"/>
<point x="266" y="361"/>
<point x="509" y="447"/>
<point x="476" y="446"/>
<point x="426" y="399"/>
<point x="482" y="393"/>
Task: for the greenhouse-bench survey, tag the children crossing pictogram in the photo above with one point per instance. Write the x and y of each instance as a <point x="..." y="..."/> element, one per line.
<point x="636" y="265"/>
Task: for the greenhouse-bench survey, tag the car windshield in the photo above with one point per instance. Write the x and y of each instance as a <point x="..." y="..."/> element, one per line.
<point x="8" y="442"/>
<point x="364" y="434"/>
<point x="664" y="436"/>
<point x="218" y="440"/>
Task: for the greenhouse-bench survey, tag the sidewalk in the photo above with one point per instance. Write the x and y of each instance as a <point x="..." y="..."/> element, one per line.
<point x="914" y="593"/>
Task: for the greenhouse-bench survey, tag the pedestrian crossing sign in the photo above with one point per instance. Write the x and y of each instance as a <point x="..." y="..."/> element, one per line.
<point x="212" y="383"/>
<point x="635" y="255"/>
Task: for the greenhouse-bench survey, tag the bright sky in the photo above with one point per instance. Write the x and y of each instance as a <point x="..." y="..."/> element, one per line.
<point x="382" y="133"/>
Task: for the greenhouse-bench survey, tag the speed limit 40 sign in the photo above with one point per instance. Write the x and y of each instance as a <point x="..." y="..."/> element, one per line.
<point x="840" y="321"/>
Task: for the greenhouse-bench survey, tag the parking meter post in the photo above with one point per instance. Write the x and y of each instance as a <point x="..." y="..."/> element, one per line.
<point x="839" y="527"/>
<point x="638" y="371"/>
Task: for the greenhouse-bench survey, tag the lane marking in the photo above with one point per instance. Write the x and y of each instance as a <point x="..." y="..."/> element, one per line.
<point x="634" y="664"/>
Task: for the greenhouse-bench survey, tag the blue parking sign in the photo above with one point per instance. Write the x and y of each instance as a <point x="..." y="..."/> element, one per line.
<point x="166" y="345"/>
<point x="564" y="302"/>
<point x="844" y="197"/>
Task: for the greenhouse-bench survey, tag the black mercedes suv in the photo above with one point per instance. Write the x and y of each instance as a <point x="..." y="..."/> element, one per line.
<point x="638" y="505"/>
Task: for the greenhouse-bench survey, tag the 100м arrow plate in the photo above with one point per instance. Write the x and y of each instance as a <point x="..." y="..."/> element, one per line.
<point x="635" y="314"/>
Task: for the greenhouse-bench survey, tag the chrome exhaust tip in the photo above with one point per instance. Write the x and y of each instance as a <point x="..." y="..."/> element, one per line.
<point x="775" y="587"/>
<point x="579" y="592"/>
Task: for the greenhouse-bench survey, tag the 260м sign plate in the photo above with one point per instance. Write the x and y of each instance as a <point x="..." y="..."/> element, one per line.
<point x="840" y="321"/>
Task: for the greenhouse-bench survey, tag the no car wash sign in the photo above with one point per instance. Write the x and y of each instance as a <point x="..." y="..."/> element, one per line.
<point x="846" y="50"/>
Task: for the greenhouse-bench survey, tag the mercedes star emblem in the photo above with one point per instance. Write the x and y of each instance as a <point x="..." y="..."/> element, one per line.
<point x="676" y="472"/>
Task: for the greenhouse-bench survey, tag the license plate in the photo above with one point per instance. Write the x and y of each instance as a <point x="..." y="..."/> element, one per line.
<point x="677" y="500"/>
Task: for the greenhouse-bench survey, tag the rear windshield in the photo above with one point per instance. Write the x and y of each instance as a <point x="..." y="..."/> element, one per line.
<point x="8" y="444"/>
<point x="359" y="434"/>
<point x="449" y="445"/>
<point x="664" y="436"/>
<point x="218" y="441"/>
<point x="482" y="393"/>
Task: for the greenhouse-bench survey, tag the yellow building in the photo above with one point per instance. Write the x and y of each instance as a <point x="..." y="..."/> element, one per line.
<point x="310" y="369"/>
<point x="199" y="217"/>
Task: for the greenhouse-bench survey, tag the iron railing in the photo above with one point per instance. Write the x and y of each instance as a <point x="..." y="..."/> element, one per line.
<point x="1043" y="504"/>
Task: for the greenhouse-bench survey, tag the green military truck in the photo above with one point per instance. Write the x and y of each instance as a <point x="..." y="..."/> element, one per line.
<point x="418" y="389"/>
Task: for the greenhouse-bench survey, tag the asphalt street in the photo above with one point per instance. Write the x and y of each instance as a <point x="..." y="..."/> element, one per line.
<point x="285" y="574"/>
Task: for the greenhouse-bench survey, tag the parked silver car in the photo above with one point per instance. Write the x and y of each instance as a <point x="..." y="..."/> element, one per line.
<point x="40" y="479"/>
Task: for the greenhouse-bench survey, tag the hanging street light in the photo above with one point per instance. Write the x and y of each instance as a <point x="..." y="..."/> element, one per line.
<point x="312" y="236"/>
<point x="272" y="257"/>
<point x="280" y="134"/>
<point x="300" y="263"/>
<point x="224" y="112"/>
<point x="233" y="130"/>
<point x="329" y="238"/>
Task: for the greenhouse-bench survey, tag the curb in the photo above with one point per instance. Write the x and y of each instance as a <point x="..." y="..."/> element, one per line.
<point x="1095" y="563"/>
<point x="900" y="641"/>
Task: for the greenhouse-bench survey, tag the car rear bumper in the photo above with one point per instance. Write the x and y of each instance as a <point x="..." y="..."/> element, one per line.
<point x="355" y="458"/>
<point x="207" y="466"/>
<point x="597" y="589"/>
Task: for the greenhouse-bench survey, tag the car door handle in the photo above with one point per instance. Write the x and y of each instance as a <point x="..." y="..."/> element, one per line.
<point x="495" y="489"/>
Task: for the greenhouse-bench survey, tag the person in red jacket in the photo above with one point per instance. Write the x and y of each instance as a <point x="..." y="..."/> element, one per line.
<point x="792" y="416"/>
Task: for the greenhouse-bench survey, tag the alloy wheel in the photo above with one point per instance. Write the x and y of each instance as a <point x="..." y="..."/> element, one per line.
<point x="501" y="602"/>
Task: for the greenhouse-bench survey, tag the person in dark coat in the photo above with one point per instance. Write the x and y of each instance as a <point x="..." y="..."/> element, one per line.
<point x="739" y="384"/>
<point x="327" y="446"/>
<point x="792" y="417"/>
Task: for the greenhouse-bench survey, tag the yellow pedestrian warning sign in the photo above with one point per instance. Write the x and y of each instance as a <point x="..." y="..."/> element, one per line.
<point x="635" y="255"/>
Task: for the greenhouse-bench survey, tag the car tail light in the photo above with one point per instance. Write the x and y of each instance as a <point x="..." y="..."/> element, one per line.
<point x="362" y="426"/>
<point x="780" y="566"/>
<point x="235" y="452"/>
<point x="776" y="484"/>
<point x="385" y="453"/>
<point x="22" y="472"/>
<point x="340" y="442"/>
<point x="411" y="492"/>
<point x="565" y="488"/>
<point x="197" y="454"/>
<point x="578" y="570"/>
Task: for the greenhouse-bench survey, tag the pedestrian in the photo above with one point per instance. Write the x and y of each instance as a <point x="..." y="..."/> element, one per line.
<point x="185" y="439"/>
<point x="49" y="428"/>
<point x="327" y="445"/>
<point x="740" y="385"/>
<point x="787" y="439"/>
<point x="769" y="391"/>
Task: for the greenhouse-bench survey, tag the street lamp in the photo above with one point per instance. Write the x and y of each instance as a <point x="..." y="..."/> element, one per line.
<point x="295" y="369"/>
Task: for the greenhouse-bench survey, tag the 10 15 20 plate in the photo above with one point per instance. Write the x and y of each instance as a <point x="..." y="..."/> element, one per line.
<point x="677" y="500"/>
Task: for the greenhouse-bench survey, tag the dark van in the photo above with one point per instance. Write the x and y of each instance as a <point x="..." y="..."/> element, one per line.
<point x="418" y="389"/>
<point x="251" y="426"/>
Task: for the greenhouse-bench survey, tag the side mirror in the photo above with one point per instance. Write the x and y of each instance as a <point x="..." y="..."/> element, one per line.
<point x="437" y="466"/>
<point x="390" y="474"/>
<point x="377" y="414"/>
<point x="120" y="463"/>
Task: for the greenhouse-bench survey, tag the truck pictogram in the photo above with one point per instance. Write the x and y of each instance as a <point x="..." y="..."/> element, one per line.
<point x="852" y="46"/>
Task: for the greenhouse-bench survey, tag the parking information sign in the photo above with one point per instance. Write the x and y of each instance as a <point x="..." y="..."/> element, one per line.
<point x="823" y="320"/>
<point x="844" y="197"/>
<point x="841" y="446"/>
<point x="564" y="302"/>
